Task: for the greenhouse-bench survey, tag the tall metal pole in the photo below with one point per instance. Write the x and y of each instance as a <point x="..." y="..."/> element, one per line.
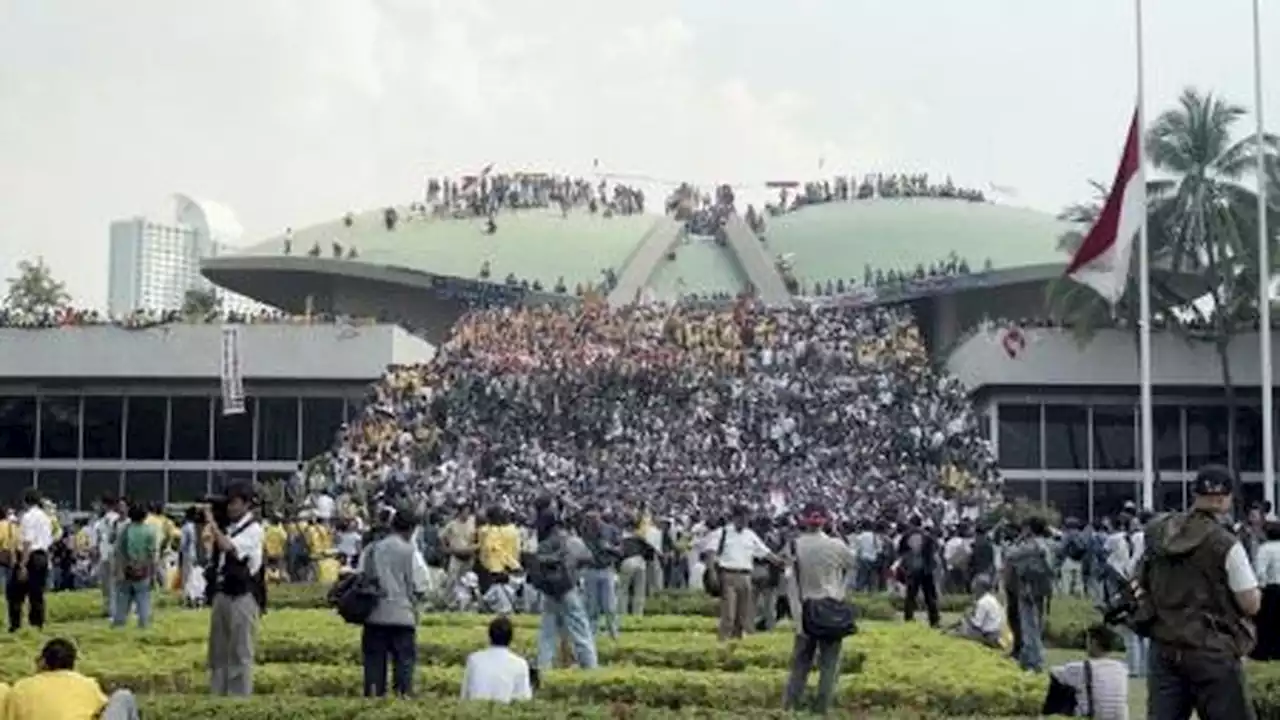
<point x="1264" y="273"/>
<point x="1144" y="291"/>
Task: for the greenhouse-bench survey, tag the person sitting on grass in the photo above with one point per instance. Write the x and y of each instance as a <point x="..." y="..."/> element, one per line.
<point x="985" y="621"/>
<point x="58" y="692"/>
<point x="496" y="674"/>
<point x="1099" y="684"/>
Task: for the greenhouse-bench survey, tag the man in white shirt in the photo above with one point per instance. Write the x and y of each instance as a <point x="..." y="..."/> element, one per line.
<point x="496" y="674"/>
<point x="31" y="567"/>
<point x="985" y="623"/>
<point x="1101" y="684"/>
<point x="233" y="620"/>
<point x="733" y="549"/>
<point x="104" y="543"/>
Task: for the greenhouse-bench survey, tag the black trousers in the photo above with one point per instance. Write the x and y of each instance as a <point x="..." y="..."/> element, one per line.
<point x="1015" y="623"/>
<point x="31" y="591"/>
<point x="922" y="584"/>
<point x="377" y="643"/>
<point x="1180" y="681"/>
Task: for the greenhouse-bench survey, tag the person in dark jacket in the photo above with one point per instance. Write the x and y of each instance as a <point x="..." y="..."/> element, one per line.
<point x="918" y="555"/>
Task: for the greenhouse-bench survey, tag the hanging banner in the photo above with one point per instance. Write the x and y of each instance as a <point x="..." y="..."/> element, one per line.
<point x="232" y="375"/>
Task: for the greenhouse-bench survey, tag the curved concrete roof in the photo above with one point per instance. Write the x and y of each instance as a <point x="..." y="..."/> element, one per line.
<point x="533" y="244"/>
<point x="838" y="240"/>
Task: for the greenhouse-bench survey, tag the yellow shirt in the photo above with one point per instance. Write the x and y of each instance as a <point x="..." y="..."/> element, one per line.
<point x="8" y="535"/>
<point x="499" y="548"/>
<point x="58" y="695"/>
<point x="82" y="540"/>
<point x="274" y="539"/>
<point x="317" y="539"/>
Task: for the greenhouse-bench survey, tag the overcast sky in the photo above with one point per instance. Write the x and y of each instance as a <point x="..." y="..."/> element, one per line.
<point x="294" y="111"/>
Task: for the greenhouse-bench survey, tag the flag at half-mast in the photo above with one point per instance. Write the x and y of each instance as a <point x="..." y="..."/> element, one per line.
<point x="1102" y="262"/>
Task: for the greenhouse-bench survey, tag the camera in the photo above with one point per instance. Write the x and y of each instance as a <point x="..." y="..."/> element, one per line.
<point x="218" y="505"/>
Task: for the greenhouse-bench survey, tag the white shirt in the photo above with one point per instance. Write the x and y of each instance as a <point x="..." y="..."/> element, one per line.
<point x="325" y="506"/>
<point x="35" y="529"/>
<point x="104" y="531"/>
<point x="1110" y="687"/>
<point x="741" y="548"/>
<point x="1240" y="575"/>
<point x="952" y="548"/>
<point x="248" y="544"/>
<point x="498" y="675"/>
<point x="988" y="616"/>
<point x="866" y="544"/>
<point x="1117" y="546"/>
<point x="1266" y="564"/>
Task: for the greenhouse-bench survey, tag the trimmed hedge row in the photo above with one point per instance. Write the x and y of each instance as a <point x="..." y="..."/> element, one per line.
<point x="311" y="653"/>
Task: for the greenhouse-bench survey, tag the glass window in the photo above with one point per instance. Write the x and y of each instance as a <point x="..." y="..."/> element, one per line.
<point x="18" y="427"/>
<point x="189" y="438"/>
<point x="1109" y="497"/>
<point x="1032" y="490"/>
<point x="1113" y="438"/>
<point x="60" y="427"/>
<point x="1250" y="494"/>
<point x="13" y="483"/>
<point x="1019" y="437"/>
<point x="187" y="486"/>
<point x="1248" y="439"/>
<point x="278" y="428"/>
<point x="1066" y="437"/>
<point x="1170" y="495"/>
<point x="59" y="486"/>
<point x="1206" y="436"/>
<point x="321" y="418"/>
<point x="145" y="422"/>
<point x="1069" y="497"/>
<point x="144" y="487"/>
<point x="103" y="427"/>
<point x="1166" y="426"/>
<point x="96" y="483"/>
<point x="233" y="434"/>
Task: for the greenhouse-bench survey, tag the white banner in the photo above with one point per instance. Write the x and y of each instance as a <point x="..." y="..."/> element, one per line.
<point x="232" y="376"/>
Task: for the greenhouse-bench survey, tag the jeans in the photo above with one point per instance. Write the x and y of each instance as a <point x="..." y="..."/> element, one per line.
<point x="1031" y="625"/>
<point x="1136" y="649"/>
<point x="922" y="584"/>
<point x="30" y="590"/>
<point x="1184" y="680"/>
<point x="565" y="614"/>
<point x="132" y="592"/>
<point x="601" y="588"/>
<point x="107" y="583"/>
<point x="802" y="656"/>
<point x="867" y="576"/>
<point x="400" y="643"/>
<point x="1071" y="578"/>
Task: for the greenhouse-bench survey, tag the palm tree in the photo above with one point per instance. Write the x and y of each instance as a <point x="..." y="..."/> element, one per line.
<point x="1209" y="215"/>
<point x="34" y="291"/>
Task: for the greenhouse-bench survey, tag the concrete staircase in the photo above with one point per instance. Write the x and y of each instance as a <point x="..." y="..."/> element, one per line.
<point x="756" y="262"/>
<point x="640" y="265"/>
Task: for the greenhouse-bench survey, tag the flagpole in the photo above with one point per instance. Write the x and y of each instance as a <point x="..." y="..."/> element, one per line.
<point x="1144" y="290"/>
<point x="1264" y="273"/>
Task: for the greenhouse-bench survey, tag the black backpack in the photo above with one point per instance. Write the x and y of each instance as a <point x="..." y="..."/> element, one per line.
<point x="549" y="573"/>
<point x="1075" y="547"/>
<point x="356" y="595"/>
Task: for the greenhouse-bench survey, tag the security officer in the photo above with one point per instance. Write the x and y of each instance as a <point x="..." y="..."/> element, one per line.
<point x="1196" y="595"/>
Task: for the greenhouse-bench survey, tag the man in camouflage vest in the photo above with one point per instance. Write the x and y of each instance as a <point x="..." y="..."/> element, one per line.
<point x="1196" y="595"/>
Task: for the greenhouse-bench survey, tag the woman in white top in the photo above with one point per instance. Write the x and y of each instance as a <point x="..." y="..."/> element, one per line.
<point x="1266" y="565"/>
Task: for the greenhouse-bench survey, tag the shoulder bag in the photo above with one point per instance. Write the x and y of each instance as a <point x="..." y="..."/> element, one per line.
<point x="356" y="595"/>
<point x="711" y="573"/>
<point x="826" y="619"/>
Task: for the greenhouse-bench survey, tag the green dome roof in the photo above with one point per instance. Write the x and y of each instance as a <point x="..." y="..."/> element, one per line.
<point x="839" y="239"/>
<point x="533" y="244"/>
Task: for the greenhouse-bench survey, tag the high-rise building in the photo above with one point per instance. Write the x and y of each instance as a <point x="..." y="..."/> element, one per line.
<point x="154" y="262"/>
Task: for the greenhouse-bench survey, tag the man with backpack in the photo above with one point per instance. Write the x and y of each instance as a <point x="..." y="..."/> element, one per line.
<point x="1030" y="569"/>
<point x="918" y="558"/>
<point x="1072" y="552"/>
<point x="135" y="567"/>
<point x="554" y="573"/>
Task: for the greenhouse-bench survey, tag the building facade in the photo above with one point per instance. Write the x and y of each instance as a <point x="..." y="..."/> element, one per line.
<point x="154" y="262"/>
<point x="94" y="410"/>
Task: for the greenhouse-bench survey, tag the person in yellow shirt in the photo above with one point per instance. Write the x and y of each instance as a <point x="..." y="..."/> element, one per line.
<point x="497" y="549"/>
<point x="9" y="545"/>
<point x="58" y="692"/>
<point x="273" y="542"/>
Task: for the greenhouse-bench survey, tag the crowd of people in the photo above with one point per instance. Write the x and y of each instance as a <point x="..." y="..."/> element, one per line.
<point x="793" y="195"/>
<point x="67" y="316"/>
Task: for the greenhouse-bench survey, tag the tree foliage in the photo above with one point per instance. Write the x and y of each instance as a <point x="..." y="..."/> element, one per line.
<point x="34" y="291"/>
<point x="199" y="303"/>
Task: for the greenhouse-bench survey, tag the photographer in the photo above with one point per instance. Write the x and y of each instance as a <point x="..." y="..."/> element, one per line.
<point x="1196" y="596"/>
<point x="236" y="589"/>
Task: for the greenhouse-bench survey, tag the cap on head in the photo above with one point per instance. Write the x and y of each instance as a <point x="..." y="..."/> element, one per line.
<point x="1213" y="481"/>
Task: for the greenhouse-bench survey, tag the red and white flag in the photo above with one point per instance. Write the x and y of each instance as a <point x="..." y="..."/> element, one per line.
<point x="1102" y="262"/>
